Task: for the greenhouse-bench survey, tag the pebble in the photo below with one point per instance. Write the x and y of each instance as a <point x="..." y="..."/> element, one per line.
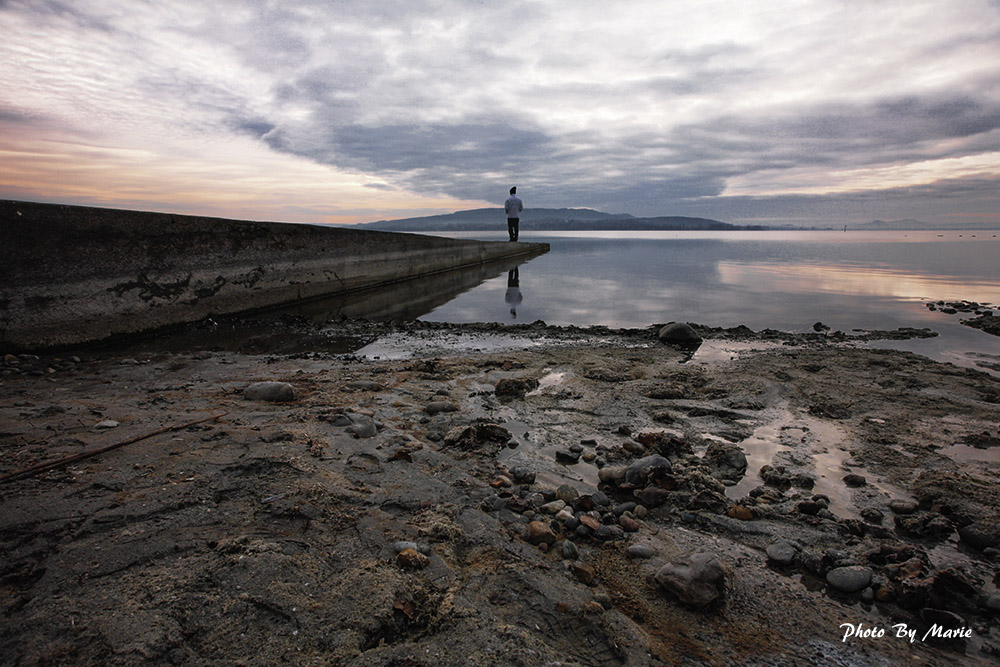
<point x="553" y="507"/>
<point x="523" y="475"/>
<point x="740" y="512"/>
<point x="992" y="602"/>
<point x="107" y="423"/>
<point x="583" y="572"/>
<point x="781" y="553"/>
<point x="698" y="582"/>
<point x="849" y="579"/>
<point x="979" y="536"/>
<point x="590" y="522"/>
<point x="567" y="493"/>
<point x="640" y="551"/>
<point x="564" y="456"/>
<point x="437" y="407"/>
<point x="609" y="533"/>
<point x="570" y="551"/>
<point x="272" y="392"/>
<point x="855" y="480"/>
<point x="628" y="524"/>
<point x="809" y="507"/>
<point x="362" y="426"/>
<point x="903" y="506"/>
<point x="412" y="559"/>
<point x="539" y="532"/>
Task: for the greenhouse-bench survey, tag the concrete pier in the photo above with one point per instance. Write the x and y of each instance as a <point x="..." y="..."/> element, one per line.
<point x="73" y="274"/>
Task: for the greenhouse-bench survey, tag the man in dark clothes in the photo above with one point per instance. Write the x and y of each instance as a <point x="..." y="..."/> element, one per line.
<point x="513" y="207"/>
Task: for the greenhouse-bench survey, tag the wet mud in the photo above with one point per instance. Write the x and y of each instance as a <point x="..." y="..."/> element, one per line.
<point x="470" y="495"/>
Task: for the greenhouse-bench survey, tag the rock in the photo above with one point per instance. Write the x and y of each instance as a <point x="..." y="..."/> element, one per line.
<point x="478" y="435"/>
<point x="980" y="536"/>
<point x="992" y="602"/>
<point x="740" y="512"/>
<point x="628" y="524"/>
<point x="809" y="507"/>
<point x="781" y="553"/>
<point x="728" y="461"/>
<point x="567" y="493"/>
<point x="903" y="506"/>
<point x="437" y="407"/>
<point x="412" y="559"/>
<point x="697" y="582"/>
<point x="403" y="545"/>
<point x="107" y="423"/>
<point x="362" y="426"/>
<point x="567" y="457"/>
<point x="553" y="507"/>
<point x="776" y="476"/>
<point x="679" y="333"/>
<point x="608" y="533"/>
<point x="613" y="475"/>
<point x="523" y="475"/>
<point x="643" y="470"/>
<point x="854" y="480"/>
<point x="363" y="385"/>
<point x="569" y="551"/>
<point x="273" y="392"/>
<point x="583" y="572"/>
<point x="515" y="387"/>
<point x="539" y="532"/>
<point x="590" y="521"/>
<point x="501" y="482"/>
<point x="652" y="496"/>
<point x="851" y="579"/>
<point x="640" y="552"/>
<point x="872" y="515"/>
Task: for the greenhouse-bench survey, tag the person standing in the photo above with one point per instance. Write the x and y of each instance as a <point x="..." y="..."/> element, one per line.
<point x="513" y="207"/>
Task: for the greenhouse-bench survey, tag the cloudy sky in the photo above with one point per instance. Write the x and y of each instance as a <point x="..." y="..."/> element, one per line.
<point x="787" y="111"/>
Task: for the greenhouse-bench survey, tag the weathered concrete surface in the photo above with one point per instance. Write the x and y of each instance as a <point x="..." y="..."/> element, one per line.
<point x="72" y="274"/>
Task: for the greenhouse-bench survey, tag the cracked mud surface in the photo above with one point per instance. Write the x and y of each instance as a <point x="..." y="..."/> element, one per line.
<point x="269" y="535"/>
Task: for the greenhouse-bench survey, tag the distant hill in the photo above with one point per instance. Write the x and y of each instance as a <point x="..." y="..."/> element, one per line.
<point x="548" y="219"/>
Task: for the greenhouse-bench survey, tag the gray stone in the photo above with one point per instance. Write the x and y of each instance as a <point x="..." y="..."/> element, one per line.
<point x="641" y="470"/>
<point x="781" y="553"/>
<point x="437" y="407"/>
<point x="570" y="551"/>
<point x="849" y="579"/>
<point x="903" y="506"/>
<point x="640" y="551"/>
<point x="553" y="507"/>
<point x="273" y="392"/>
<point x="567" y="493"/>
<point x="979" y="536"/>
<point x="362" y="426"/>
<point x="679" y="333"/>
<point x="697" y="582"/>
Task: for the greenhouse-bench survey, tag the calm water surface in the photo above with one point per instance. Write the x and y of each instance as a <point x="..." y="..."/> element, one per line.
<point x="778" y="279"/>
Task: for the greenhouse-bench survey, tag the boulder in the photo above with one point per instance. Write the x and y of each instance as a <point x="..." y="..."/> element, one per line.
<point x="850" y="579"/>
<point x="727" y="461"/>
<point x="272" y="392"/>
<point x="698" y="582"/>
<point x="679" y="333"/>
<point x="645" y="469"/>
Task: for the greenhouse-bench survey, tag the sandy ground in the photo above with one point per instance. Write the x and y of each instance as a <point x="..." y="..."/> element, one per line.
<point x="376" y="518"/>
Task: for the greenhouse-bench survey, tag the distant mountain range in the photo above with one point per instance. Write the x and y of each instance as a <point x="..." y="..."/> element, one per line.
<point x="549" y="219"/>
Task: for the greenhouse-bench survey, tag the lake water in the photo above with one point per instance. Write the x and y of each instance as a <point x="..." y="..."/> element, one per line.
<point x="784" y="280"/>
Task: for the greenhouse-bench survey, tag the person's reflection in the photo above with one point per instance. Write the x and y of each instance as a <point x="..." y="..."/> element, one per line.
<point x="513" y="296"/>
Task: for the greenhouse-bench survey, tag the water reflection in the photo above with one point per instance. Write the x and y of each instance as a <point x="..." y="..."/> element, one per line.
<point x="513" y="296"/>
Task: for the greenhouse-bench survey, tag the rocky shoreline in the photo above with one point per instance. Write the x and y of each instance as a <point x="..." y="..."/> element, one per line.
<point x="563" y="496"/>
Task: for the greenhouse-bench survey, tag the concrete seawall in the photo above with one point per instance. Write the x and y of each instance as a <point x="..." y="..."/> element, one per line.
<point x="72" y="274"/>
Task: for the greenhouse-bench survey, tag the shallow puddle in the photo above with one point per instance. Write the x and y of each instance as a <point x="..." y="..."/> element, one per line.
<point x="967" y="453"/>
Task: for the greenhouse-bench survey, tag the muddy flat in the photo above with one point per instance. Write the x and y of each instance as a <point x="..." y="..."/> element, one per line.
<point x="530" y="499"/>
